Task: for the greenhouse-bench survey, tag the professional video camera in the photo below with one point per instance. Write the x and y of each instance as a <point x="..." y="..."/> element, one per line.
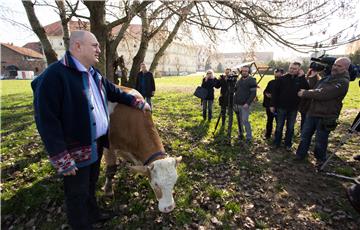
<point x="325" y="63"/>
<point x="232" y="77"/>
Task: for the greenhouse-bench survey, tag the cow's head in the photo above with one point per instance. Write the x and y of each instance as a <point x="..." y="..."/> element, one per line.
<point x="163" y="176"/>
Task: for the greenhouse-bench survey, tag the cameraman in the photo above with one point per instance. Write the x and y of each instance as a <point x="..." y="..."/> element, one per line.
<point x="223" y="99"/>
<point x="285" y="100"/>
<point x="245" y="92"/>
<point x="326" y="103"/>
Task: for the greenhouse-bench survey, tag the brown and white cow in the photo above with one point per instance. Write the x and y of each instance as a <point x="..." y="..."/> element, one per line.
<point x="133" y="136"/>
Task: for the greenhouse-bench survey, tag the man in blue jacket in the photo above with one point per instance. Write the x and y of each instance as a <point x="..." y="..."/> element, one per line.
<point x="71" y="115"/>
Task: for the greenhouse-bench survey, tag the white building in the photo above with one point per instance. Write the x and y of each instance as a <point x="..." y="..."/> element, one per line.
<point x="179" y="57"/>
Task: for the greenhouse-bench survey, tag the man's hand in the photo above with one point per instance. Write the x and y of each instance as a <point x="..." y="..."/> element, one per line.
<point x="301" y="72"/>
<point x="301" y="92"/>
<point x="71" y="172"/>
<point x="268" y="95"/>
<point x="272" y="109"/>
<point x="312" y="73"/>
<point x="245" y="106"/>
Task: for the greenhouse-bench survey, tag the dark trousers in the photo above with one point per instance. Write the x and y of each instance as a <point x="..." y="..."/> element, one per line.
<point x="223" y="114"/>
<point x="269" y="122"/>
<point x="207" y="105"/>
<point x="311" y="125"/>
<point x="303" y="118"/>
<point x="80" y="200"/>
<point x="288" y="116"/>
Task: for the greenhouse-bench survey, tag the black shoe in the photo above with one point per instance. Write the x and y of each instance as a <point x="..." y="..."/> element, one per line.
<point x="353" y="194"/>
<point x="299" y="158"/>
<point x="103" y="216"/>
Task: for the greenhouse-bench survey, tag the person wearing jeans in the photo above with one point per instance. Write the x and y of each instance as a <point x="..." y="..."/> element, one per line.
<point x="285" y="100"/>
<point x="311" y="125"/>
<point x="245" y="92"/>
<point x="326" y="103"/>
<point x="208" y="82"/>
<point x="290" y="117"/>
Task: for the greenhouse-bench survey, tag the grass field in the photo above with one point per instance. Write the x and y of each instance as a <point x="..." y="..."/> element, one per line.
<point x="219" y="186"/>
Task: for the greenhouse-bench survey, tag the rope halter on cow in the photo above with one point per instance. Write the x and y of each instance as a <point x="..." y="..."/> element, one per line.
<point x="154" y="156"/>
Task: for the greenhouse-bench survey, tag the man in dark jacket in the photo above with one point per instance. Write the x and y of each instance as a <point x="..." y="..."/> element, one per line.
<point x="286" y="101"/>
<point x="245" y="92"/>
<point x="326" y="103"/>
<point x="145" y="83"/>
<point x="312" y="77"/>
<point x="267" y="102"/>
<point x="224" y="96"/>
<point x="71" y="115"/>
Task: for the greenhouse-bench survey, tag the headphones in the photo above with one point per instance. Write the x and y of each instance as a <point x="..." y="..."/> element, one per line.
<point x="245" y="66"/>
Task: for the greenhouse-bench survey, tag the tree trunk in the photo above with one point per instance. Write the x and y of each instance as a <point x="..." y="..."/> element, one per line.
<point x="99" y="29"/>
<point x="144" y="44"/>
<point x="168" y="41"/>
<point x="137" y="60"/>
<point x="49" y="52"/>
<point x="165" y="45"/>
<point x="64" y="23"/>
<point x="124" y="71"/>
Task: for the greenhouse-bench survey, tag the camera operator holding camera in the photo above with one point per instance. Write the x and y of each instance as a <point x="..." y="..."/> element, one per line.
<point x="326" y="103"/>
<point x="245" y="92"/>
<point x="223" y="99"/>
<point x="286" y="101"/>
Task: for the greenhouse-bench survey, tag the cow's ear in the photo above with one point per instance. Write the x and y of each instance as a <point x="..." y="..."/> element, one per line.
<point x="178" y="160"/>
<point x="143" y="170"/>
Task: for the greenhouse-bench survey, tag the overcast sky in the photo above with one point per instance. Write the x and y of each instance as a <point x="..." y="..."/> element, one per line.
<point x="19" y="35"/>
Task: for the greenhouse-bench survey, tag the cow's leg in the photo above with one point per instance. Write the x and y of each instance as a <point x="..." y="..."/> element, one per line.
<point x="111" y="166"/>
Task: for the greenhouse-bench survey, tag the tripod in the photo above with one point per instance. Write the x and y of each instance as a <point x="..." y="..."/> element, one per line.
<point x="352" y="129"/>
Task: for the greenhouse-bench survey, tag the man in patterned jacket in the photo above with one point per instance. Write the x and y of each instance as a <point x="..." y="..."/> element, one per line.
<point x="71" y="115"/>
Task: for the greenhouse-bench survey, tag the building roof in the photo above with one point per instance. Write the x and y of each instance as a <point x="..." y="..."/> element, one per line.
<point x="23" y="51"/>
<point x="55" y="28"/>
<point x="36" y="46"/>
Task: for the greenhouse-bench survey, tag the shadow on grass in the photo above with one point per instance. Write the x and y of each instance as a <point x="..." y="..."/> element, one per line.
<point x="199" y="130"/>
<point x="20" y="165"/>
<point x="34" y="203"/>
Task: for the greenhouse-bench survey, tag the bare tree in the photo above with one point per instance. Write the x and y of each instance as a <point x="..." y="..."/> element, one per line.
<point x="150" y="27"/>
<point x="183" y="14"/>
<point x="49" y="52"/>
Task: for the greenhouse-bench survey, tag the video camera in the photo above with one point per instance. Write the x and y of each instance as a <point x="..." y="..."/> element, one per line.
<point x="325" y="63"/>
<point x="230" y="78"/>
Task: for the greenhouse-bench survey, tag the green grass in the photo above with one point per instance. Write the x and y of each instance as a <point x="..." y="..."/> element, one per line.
<point x="30" y="185"/>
